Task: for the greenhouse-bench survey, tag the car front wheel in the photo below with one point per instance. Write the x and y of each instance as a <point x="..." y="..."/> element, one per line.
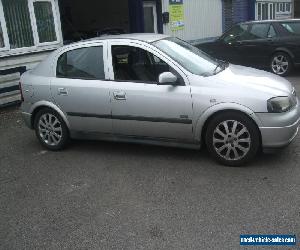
<point x="50" y="129"/>
<point x="232" y="138"/>
<point x="281" y="64"/>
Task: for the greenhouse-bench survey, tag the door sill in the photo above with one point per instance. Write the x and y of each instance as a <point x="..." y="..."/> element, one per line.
<point x="167" y="142"/>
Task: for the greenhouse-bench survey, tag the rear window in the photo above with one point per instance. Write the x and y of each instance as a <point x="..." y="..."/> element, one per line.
<point x="84" y="63"/>
<point x="293" y="28"/>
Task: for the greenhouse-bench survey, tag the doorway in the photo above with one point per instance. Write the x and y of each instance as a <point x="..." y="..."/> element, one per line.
<point x="150" y="17"/>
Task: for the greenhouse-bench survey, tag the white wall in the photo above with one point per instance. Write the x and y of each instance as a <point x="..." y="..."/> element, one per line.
<point x="203" y="19"/>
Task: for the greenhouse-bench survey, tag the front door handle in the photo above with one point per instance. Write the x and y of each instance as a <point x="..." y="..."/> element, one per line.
<point x="62" y="91"/>
<point x="120" y="95"/>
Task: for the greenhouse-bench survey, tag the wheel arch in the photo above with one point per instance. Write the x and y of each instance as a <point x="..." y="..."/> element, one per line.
<point x="46" y="104"/>
<point x="284" y="50"/>
<point x="205" y="118"/>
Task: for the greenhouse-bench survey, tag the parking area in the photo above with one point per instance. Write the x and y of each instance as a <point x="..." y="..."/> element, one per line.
<point x="104" y="195"/>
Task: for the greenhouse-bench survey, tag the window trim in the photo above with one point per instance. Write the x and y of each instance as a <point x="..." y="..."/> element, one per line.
<point x="37" y="47"/>
<point x="280" y="8"/>
<point x="275" y="31"/>
<point x="151" y="49"/>
<point x="4" y="30"/>
<point x="259" y="38"/>
<point x="77" y="47"/>
<point x="34" y="23"/>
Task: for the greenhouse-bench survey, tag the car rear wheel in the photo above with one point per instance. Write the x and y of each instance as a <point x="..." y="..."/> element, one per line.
<point x="50" y="129"/>
<point x="281" y="64"/>
<point x="232" y="138"/>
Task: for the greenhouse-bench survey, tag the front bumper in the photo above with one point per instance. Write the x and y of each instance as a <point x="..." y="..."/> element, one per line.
<point x="279" y="130"/>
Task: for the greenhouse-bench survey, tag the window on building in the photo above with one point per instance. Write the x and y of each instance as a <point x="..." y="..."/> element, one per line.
<point x="45" y="21"/>
<point x="281" y="7"/>
<point x="25" y="25"/>
<point x="265" y="11"/>
<point x="259" y="11"/>
<point x="84" y="63"/>
<point x="18" y="23"/>
<point x="273" y="10"/>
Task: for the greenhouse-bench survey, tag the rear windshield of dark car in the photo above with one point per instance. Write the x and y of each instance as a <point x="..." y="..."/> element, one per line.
<point x="291" y="27"/>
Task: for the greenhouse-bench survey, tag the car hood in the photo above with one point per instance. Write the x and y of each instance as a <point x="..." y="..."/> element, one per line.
<point x="244" y="77"/>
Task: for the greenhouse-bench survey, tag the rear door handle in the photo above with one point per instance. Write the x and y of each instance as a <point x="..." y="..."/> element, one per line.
<point x="120" y="95"/>
<point x="62" y="91"/>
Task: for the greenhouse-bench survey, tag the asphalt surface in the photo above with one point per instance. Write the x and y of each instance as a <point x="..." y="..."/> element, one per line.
<point x="101" y="195"/>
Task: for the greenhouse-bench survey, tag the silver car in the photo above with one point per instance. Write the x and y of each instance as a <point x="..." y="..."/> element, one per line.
<point x="157" y="89"/>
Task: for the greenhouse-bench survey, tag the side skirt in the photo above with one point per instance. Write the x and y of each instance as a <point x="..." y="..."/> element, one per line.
<point x="165" y="142"/>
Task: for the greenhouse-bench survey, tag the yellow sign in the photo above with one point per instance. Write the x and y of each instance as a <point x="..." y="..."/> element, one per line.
<point x="176" y="11"/>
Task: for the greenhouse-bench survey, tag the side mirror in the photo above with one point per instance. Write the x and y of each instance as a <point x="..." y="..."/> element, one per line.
<point x="167" y="78"/>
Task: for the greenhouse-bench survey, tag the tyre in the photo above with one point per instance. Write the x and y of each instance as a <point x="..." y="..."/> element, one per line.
<point x="51" y="130"/>
<point x="281" y="64"/>
<point x="232" y="138"/>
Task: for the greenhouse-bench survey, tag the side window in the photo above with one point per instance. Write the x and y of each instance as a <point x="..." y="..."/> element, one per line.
<point x="259" y="31"/>
<point x="292" y="27"/>
<point x="237" y="33"/>
<point x="135" y="64"/>
<point x="85" y="63"/>
<point x="272" y="33"/>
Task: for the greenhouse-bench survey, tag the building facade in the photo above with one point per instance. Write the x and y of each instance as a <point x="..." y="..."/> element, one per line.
<point x="235" y="11"/>
<point x="28" y="30"/>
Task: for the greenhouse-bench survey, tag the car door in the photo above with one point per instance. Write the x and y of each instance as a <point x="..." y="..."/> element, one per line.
<point x="257" y="48"/>
<point x="80" y="88"/>
<point x="140" y="107"/>
<point x="227" y="46"/>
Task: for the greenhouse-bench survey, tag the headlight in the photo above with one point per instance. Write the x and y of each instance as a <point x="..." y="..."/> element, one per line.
<point x="281" y="104"/>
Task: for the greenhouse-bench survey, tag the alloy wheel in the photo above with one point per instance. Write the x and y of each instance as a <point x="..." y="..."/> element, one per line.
<point x="50" y="129"/>
<point x="231" y="140"/>
<point x="280" y="64"/>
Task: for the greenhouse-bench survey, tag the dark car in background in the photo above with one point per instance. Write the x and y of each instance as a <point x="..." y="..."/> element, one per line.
<point x="271" y="44"/>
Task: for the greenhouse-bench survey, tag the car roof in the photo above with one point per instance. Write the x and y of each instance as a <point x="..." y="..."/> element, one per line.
<point x="44" y="69"/>
<point x="145" y="37"/>
<point x="271" y="21"/>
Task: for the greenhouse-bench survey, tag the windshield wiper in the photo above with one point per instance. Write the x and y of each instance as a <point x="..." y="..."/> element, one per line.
<point x="222" y="65"/>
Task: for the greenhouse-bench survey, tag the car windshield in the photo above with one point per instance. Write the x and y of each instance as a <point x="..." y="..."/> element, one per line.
<point x="190" y="57"/>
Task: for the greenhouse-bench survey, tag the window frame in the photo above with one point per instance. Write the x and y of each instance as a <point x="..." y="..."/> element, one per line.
<point x="149" y="48"/>
<point x="259" y="24"/>
<point x="37" y="47"/>
<point x="4" y="30"/>
<point x="82" y="46"/>
<point x="275" y="32"/>
<point x="226" y="34"/>
<point x="279" y="7"/>
<point x="34" y="23"/>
